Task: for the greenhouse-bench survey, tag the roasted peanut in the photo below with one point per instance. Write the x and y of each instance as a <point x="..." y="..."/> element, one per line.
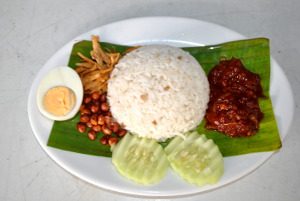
<point x="81" y="127"/>
<point x="92" y="135"/>
<point x="112" y="140"/>
<point x="88" y="124"/>
<point x="104" y="140"/>
<point x="95" y="95"/>
<point x="103" y="98"/>
<point x="94" y="119"/>
<point x="87" y="99"/>
<point x="94" y="108"/>
<point x="114" y="126"/>
<point x="82" y="107"/>
<point x="104" y="107"/>
<point x="101" y="120"/>
<point x="84" y="118"/>
<point x="106" y="131"/>
<point x="96" y="128"/>
<point x="85" y="111"/>
<point x="107" y="120"/>
<point x="121" y="132"/>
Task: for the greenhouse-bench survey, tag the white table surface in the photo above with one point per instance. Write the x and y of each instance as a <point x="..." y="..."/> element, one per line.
<point x="31" y="31"/>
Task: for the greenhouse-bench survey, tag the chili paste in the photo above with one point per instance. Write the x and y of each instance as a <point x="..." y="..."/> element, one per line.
<point x="233" y="108"/>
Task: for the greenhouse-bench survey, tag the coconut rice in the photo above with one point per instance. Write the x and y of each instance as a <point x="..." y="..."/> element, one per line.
<point x="158" y="92"/>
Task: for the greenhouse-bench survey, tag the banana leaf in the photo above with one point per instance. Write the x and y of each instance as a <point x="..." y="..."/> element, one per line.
<point x="255" y="55"/>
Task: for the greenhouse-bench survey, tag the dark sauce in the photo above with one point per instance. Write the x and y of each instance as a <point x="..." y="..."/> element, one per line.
<point x="233" y="108"/>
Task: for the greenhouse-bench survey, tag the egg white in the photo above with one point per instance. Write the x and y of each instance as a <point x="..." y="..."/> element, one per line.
<point x="60" y="76"/>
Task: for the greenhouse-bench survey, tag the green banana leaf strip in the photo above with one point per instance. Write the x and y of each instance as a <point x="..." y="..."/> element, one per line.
<point x="255" y="55"/>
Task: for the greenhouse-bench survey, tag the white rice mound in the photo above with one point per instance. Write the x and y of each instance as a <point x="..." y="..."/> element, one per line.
<point x="158" y="92"/>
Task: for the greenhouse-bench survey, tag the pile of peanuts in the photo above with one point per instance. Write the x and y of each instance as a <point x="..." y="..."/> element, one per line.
<point x="95" y="117"/>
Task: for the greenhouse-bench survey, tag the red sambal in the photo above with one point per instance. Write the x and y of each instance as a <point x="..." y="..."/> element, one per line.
<point x="233" y="108"/>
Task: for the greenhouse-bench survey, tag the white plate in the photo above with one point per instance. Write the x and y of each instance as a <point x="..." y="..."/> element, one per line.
<point x="167" y="30"/>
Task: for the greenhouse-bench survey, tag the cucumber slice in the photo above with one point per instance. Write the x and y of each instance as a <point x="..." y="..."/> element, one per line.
<point x="196" y="159"/>
<point x="140" y="159"/>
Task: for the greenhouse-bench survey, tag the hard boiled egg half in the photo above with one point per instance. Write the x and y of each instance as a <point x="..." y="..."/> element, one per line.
<point x="60" y="93"/>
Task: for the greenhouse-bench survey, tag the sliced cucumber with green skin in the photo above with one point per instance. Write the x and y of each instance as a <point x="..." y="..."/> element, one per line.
<point x="140" y="159"/>
<point x="196" y="159"/>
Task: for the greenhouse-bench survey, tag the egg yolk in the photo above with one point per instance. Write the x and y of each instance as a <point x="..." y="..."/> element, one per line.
<point x="59" y="100"/>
